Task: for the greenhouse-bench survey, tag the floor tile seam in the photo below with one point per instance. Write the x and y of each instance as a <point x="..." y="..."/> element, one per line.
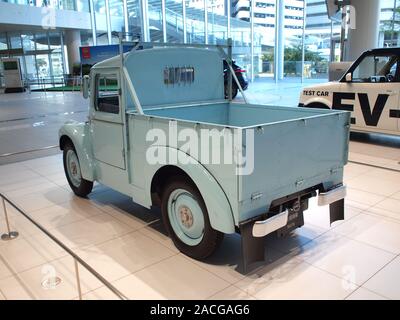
<point x="380" y="269"/>
<point x="15" y="273"/>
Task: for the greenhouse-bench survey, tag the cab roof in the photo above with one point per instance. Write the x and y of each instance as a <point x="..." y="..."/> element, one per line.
<point x="171" y="75"/>
<point x="393" y="50"/>
<point x="109" y="63"/>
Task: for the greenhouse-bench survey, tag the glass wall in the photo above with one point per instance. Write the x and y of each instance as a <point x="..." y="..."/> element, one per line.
<point x="30" y="68"/>
<point x="293" y="13"/>
<point x="87" y="38"/>
<point x="3" y="41"/>
<point x="56" y="56"/>
<point x="101" y="22"/>
<point x="174" y="20"/>
<point x="195" y="21"/>
<point x="309" y="39"/>
<point x="134" y="18"/>
<point x="116" y="19"/>
<point x="41" y="55"/>
<point x="155" y="20"/>
<point x="264" y="16"/>
<point x="76" y="5"/>
<point x="390" y="23"/>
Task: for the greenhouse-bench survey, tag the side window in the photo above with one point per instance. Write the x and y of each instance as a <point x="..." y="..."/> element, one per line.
<point x="107" y="93"/>
<point x="373" y="68"/>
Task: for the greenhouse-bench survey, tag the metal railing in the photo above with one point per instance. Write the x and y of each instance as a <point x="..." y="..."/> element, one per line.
<point x="11" y="234"/>
<point x="51" y="83"/>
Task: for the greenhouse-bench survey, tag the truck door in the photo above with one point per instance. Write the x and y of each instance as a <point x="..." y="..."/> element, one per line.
<point x="107" y="120"/>
<point x="373" y="93"/>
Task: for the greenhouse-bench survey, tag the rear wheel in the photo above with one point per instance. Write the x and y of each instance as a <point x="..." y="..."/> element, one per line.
<point x="234" y="91"/>
<point x="186" y="219"/>
<point x="79" y="185"/>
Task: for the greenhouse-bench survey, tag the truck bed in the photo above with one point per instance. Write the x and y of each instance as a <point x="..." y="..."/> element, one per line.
<point x="235" y="114"/>
<point x="294" y="148"/>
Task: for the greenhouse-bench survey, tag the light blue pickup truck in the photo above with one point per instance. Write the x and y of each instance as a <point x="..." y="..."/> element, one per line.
<point x="161" y="131"/>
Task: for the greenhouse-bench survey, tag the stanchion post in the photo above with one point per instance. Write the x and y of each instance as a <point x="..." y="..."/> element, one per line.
<point x="10" y="235"/>
<point x="78" y="280"/>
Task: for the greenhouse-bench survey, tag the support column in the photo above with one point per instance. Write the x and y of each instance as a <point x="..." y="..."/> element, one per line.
<point x="228" y="5"/>
<point x="72" y="40"/>
<point x="145" y="20"/>
<point x="184" y="21"/>
<point x="303" y="38"/>
<point x="108" y="19"/>
<point x="164" y="20"/>
<point x="205" y="22"/>
<point x="366" y="33"/>
<point x="126" y="17"/>
<point x="279" y="50"/>
<point x="252" y="5"/>
<point x="93" y="22"/>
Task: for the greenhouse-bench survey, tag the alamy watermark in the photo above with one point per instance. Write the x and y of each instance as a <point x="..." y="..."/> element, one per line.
<point x="349" y="278"/>
<point x="50" y="279"/>
<point x="207" y="146"/>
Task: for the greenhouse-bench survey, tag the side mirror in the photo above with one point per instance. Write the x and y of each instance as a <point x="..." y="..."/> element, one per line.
<point x="85" y="86"/>
<point x="349" y="77"/>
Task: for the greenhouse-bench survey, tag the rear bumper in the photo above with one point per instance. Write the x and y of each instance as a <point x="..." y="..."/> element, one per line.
<point x="282" y="223"/>
<point x="274" y="223"/>
<point x="262" y="228"/>
<point x="332" y="196"/>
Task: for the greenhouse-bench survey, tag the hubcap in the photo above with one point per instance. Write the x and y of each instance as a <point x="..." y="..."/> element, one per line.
<point x="73" y="168"/>
<point x="186" y="217"/>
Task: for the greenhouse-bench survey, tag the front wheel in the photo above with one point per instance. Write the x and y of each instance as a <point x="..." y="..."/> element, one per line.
<point x="186" y="219"/>
<point x="79" y="185"/>
<point x="317" y="105"/>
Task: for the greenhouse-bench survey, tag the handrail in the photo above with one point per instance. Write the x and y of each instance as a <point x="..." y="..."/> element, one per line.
<point x="118" y="293"/>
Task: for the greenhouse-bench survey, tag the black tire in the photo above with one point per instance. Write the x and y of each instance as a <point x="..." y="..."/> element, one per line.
<point x="234" y="91"/>
<point x="211" y="238"/>
<point x="316" y="105"/>
<point x="85" y="186"/>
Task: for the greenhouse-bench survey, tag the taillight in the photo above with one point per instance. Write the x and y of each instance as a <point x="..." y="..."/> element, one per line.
<point x="241" y="70"/>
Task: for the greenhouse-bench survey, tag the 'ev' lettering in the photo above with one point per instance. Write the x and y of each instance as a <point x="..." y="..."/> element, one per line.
<point x="371" y="117"/>
<point x="337" y="101"/>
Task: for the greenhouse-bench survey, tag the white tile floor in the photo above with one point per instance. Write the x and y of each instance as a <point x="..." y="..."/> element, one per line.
<point x="355" y="259"/>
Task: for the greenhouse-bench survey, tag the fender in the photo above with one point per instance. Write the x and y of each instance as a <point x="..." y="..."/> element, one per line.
<point x="218" y="206"/>
<point x="78" y="132"/>
<point x="319" y="100"/>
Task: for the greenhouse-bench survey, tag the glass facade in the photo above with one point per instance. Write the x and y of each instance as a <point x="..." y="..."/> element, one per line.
<point x="41" y="55"/>
<point x="76" y="5"/>
<point x="271" y="38"/>
<point x="390" y="23"/>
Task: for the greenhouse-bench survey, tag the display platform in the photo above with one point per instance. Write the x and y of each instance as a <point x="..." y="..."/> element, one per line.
<point x="126" y="244"/>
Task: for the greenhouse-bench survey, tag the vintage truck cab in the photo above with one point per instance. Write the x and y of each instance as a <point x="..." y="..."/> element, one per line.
<point x="161" y="131"/>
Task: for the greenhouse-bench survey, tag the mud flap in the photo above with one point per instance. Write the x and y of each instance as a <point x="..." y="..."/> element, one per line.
<point x="336" y="211"/>
<point x="252" y="249"/>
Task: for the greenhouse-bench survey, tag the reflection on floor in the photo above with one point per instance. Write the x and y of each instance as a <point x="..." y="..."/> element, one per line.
<point x="354" y="259"/>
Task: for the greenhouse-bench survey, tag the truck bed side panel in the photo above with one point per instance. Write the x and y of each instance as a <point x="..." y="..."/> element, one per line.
<point x="292" y="156"/>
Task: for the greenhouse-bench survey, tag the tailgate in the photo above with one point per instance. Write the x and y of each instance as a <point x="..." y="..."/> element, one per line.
<point x="291" y="156"/>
